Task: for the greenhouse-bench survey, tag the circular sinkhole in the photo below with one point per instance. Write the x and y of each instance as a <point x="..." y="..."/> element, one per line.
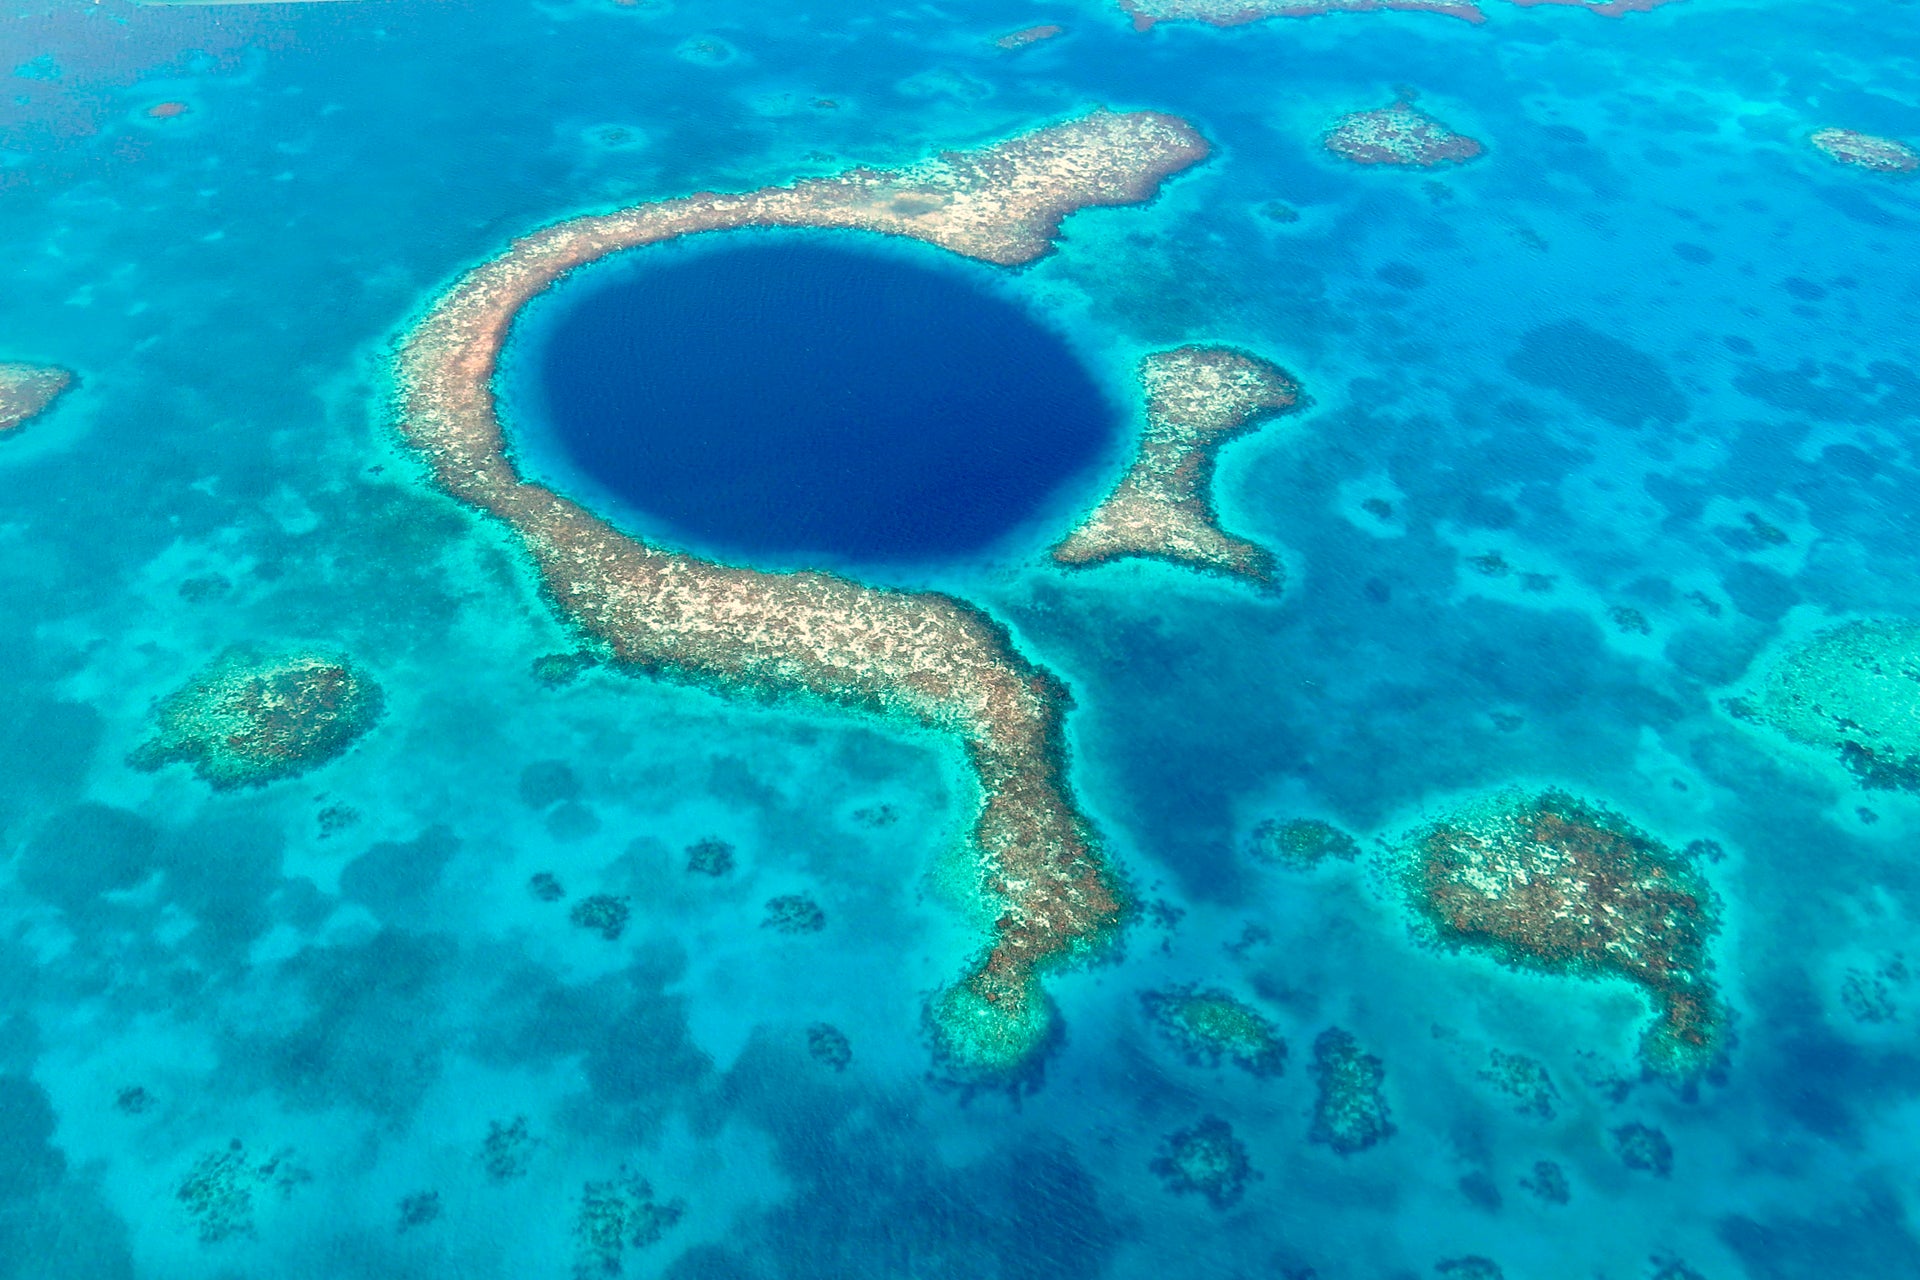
<point x="801" y="400"/>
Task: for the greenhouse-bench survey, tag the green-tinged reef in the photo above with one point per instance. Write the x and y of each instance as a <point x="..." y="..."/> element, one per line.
<point x="1349" y="1106"/>
<point x="218" y="1191"/>
<point x="1301" y="844"/>
<point x="1197" y="399"/>
<point x="921" y="657"/>
<point x="1852" y="691"/>
<point x="1547" y="882"/>
<point x="617" y="1216"/>
<point x="1209" y="1026"/>
<point x="256" y="715"/>
<point x="1205" y="1160"/>
<point x="603" y="913"/>
<point x="26" y="391"/>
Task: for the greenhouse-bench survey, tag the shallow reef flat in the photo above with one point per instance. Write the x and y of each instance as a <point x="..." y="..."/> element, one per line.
<point x="925" y="658"/>
<point x="27" y="389"/>
<point x="1198" y="398"/>
<point x="1547" y="882"/>
<point x="1853" y="690"/>
<point x="1234" y="13"/>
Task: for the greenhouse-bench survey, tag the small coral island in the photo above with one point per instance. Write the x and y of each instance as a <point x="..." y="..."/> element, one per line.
<point x="1205" y="1160"/>
<point x="1350" y="1105"/>
<point x="1208" y="1025"/>
<point x="252" y="716"/>
<point x="27" y="389"/>
<point x="1026" y="36"/>
<point x="1198" y="398"/>
<point x="1547" y="882"/>
<point x="1301" y="844"/>
<point x="1865" y="151"/>
<point x="1400" y="135"/>
<point x="924" y="658"/>
<point x="1854" y="691"/>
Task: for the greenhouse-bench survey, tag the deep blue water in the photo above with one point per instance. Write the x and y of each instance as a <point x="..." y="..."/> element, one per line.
<point x="787" y="399"/>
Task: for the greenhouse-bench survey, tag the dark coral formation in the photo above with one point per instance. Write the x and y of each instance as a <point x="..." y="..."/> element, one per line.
<point x="925" y="658"/>
<point x="1866" y="151"/>
<point x="559" y="669"/>
<point x="1399" y="135"/>
<point x="604" y="913"/>
<point x="1548" y="1183"/>
<point x="1524" y="1080"/>
<point x="1301" y="844"/>
<point x="829" y="1046"/>
<point x="1206" y="1160"/>
<point x="1875" y="995"/>
<point x="1547" y="882"/>
<point x="546" y="887"/>
<point x="419" y="1209"/>
<point x="218" y="1190"/>
<point x="1208" y="1025"/>
<point x="794" y="913"/>
<point x="253" y="716"/>
<point x="133" y="1100"/>
<point x="1644" y="1148"/>
<point x="1471" y="1267"/>
<point x="1198" y="398"/>
<point x="508" y="1149"/>
<point x="1349" y="1108"/>
<point x="616" y="1216"/>
<point x="27" y="390"/>
<point x="710" y="857"/>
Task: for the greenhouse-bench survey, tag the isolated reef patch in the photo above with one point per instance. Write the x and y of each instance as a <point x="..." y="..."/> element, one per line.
<point x="1302" y="844"/>
<point x="1026" y="36"/>
<point x="923" y="658"/>
<point x="1350" y="1105"/>
<point x="1206" y="1159"/>
<point x="252" y="716"/>
<point x="1208" y="1025"/>
<point x="1400" y="135"/>
<point x="1198" y="398"/>
<point x="1234" y="13"/>
<point x="1854" y="691"/>
<point x="27" y="389"/>
<point x="1547" y="882"/>
<point x="1865" y="151"/>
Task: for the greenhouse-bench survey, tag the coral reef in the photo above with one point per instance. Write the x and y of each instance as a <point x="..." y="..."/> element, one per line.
<point x="829" y="1046"/>
<point x="546" y="887"/>
<point x="794" y="913"/>
<point x="1875" y="995"/>
<point x="1029" y="36"/>
<point x="604" y="913"/>
<point x="556" y="670"/>
<point x="133" y="1100"/>
<point x="1301" y="844"/>
<point x="1234" y="13"/>
<point x="218" y="1189"/>
<point x="1208" y="1025"/>
<point x="710" y="857"/>
<point x="1853" y="690"/>
<point x="619" y="1214"/>
<point x="1206" y="1159"/>
<point x="1471" y="1267"/>
<point x="1198" y="398"/>
<point x="419" y="1209"/>
<point x="925" y="658"/>
<point x="507" y="1150"/>
<point x="1865" y="151"/>
<point x="1399" y="135"/>
<point x="1551" y="883"/>
<point x="253" y="716"/>
<point x="1644" y="1148"/>
<point x="1523" y="1079"/>
<point x="1349" y="1110"/>
<point x="1548" y="1182"/>
<point x="26" y="390"/>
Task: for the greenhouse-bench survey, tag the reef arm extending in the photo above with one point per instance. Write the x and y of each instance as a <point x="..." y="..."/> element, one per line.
<point x="924" y="657"/>
<point x="1198" y="398"/>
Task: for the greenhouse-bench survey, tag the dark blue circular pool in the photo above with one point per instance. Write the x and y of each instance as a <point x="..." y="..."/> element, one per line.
<point x="789" y="399"/>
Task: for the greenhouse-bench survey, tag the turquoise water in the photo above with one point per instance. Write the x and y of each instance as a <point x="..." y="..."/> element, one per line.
<point x="1648" y="313"/>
